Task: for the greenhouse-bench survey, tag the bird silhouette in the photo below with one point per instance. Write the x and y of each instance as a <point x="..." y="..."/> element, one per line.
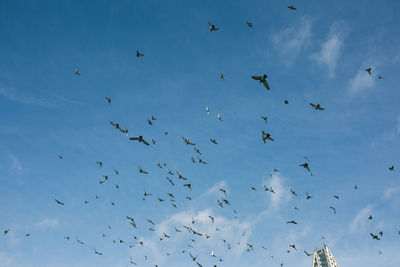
<point x="262" y="80"/>
<point x="138" y="54"/>
<point x="140" y="139"/>
<point x="212" y="27"/>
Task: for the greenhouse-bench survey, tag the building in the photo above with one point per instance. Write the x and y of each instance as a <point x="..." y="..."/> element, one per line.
<point x="324" y="258"/>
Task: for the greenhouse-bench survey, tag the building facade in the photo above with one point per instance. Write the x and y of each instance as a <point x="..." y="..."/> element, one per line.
<point x="324" y="258"/>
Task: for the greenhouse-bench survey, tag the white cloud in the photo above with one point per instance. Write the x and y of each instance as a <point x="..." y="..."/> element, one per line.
<point x="47" y="223"/>
<point x="16" y="166"/>
<point x="292" y="40"/>
<point x="361" y="81"/>
<point x="14" y="95"/>
<point x="389" y="192"/>
<point x="330" y="49"/>
<point x="360" y="221"/>
<point x="281" y="193"/>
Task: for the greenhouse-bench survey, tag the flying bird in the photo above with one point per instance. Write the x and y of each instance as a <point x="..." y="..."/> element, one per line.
<point x="140" y="139"/>
<point x="59" y="202"/>
<point x="374" y="236"/>
<point x="292" y="7"/>
<point x="138" y="54"/>
<point x="77" y="72"/>
<point x="266" y="136"/>
<point x="219" y="117"/>
<point x="265" y="119"/>
<point x="368" y="70"/>
<point x="249" y="24"/>
<point x="317" y="106"/>
<point x="262" y="80"/>
<point x="212" y="27"/>
<point x="108" y="100"/>
<point x="142" y="171"/>
<point x="333" y="208"/>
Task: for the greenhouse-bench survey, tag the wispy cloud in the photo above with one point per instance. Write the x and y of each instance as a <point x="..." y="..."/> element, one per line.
<point x="16" y="96"/>
<point x="330" y="49"/>
<point x="361" y="81"/>
<point x="281" y="193"/>
<point x="360" y="221"/>
<point x="6" y="260"/>
<point x="389" y="192"/>
<point x="16" y="166"/>
<point x="47" y="224"/>
<point x="292" y="40"/>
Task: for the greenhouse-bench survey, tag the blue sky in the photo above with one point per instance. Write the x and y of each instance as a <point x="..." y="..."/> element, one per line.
<point x="317" y="53"/>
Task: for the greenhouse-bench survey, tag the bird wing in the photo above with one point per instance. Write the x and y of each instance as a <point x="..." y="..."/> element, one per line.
<point x="266" y="84"/>
<point x="134" y="138"/>
<point x="258" y="78"/>
<point x="145" y="142"/>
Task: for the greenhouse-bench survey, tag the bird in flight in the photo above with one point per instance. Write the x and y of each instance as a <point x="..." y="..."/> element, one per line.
<point x="391" y="168"/>
<point x="213" y="141"/>
<point x="249" y="24"/>
<point x="142" y="171"/>
<point x="140" y="139"/>
<point x="308" y="254"/>
<point x="317" y="106"/>
<point x="374" y="236"/>
<point x="266" y="136"/>
<point x="333" y="208"/>
<point x="286" y="102"/>
<point x="138" y="54"/>
<point x="292" y="222"/>
<point x="308" y="196"/>
<point x="292" y="7"/>
<point x="265" y="119"/>
<point x="187" y="141"/>
<point x="219" y="117"/>
<point x="221" y="76"/>
<point x="108" y="100"/>
<point x="77" y="72"/>
<point x="262" y="80"/>
<point x="305" y="166"/>
<point x="212" y="27"/>
<point x="368" y="70"/>
<point x="96" y="252"/>
<point x="100" y="163"/>
<point x="208" y="110"/>
<point x="59" y="202"/>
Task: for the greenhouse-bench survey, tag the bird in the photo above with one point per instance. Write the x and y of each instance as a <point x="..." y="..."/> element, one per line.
<point x="142" y="171"/>
<point x="212" y="218"/>
<point x="221" y="76"/>
<point x="208" y="110"/>
<point x="391" y="168"/>
<point x="149" y="122"/>
<point x="138" y="54"/>
<point x="336" y="196"/>
<point x="188" y="186"/>
<point x="223" y="191"/>
<point x="266" y="136"/>
<point x="292" y="222"/>
<point x="293" y="246"/>
<point x="116" y="125"/>
<point x="286" y="102"/>
<point x="59" y="202"/>
<point x="370" y="217"/>
<point x="333" y="208"/>
<point x="213" y="141"/>
<point x="108" y="100"/>
<point x="197" y="151"/>
<point x="374" y="236"/>
<point x="140" y="139"/>
<point x="308" y="254"/>
<point x="292" y="7"/>
<point x="308" y="196"/>
<point x="293" y="192"/>
<point x="80" y="242"/>
<point x="100" y="163"/>
<point x="6" y="231"/>
<point x="28" y="234"/>
<point x="265" y="119"/>
<point x="381" y="233"/>
<point x="305" y="166"/>
<point x="380" y="77"/>
<point x="316" y="106"/>
<point x="262" y="80"/>
<point x="187" y="141"/>
<point x="368" y="70"/>
<point x="212" y="27"/>
<point x="96" y="252"/>
<point x="249" y="24"/>
<point x="77" y="72"/>
<point x="219" y="117"/>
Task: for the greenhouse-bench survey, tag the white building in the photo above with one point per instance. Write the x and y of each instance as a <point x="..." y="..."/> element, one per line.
<point x="324" y="258"/>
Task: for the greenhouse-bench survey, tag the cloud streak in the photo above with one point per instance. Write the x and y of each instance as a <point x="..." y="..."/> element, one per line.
<point x="330" y="49"/>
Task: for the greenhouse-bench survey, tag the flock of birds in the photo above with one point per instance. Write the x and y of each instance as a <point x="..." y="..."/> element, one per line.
<point x="220" y="202"/>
